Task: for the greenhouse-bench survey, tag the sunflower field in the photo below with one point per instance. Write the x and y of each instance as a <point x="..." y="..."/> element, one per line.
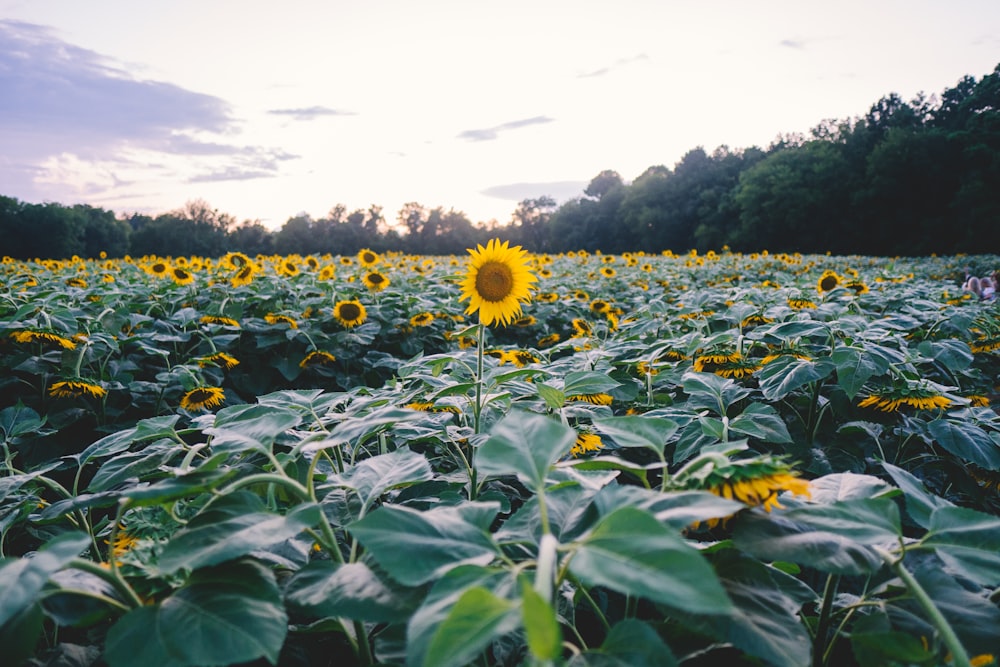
<point x="498" y="459"/>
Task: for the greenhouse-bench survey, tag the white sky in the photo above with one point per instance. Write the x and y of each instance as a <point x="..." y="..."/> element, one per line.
<point x="267" y="109"/>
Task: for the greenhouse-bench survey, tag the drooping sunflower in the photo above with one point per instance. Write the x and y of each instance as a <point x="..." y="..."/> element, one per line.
<point x="220" y="359"/>
<point x="203" y="398"/>
<point x="422" y="319"/>
<point x="800" y="304"/>
<point x="522" y="358"/>
<point x="219" y="320"/>
<point x="76" y="282"/>
<point x="549" y="341"/>
<point x="375" y="281"/>
<point x="586" y="442"/>
<point x="857" y="287"/>
<point x="28" y="336"/>
<point x="525" y="321"/>
<point x="350" y="313"/>
<point x="272" y="318"/>
<point x="548" y="297"/>
<point x="368" y="258"/>
<point x="497" y="282"/>
<point x="317" y="358"/>
<point x="76" y="389"/>
<point x="593" y="399"/>
<point x="893" y="400"/>
<point x="828" y="281"/>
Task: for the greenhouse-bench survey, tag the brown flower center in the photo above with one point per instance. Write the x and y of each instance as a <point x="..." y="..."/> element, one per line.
<point x="494" y="281"/>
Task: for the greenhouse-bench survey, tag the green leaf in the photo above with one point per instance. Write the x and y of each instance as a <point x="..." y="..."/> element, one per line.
<point x="920" y="503"/>
<point x="833" y="488"/>
<point x="630" y="643"/>
<point x="763" y="422"/>
<point x="554" y="398"/>
<point x="476" y="619"/>
<point x="967" y="541"/>
<point x="374" y="476"/>
<point x="240" y="428"/>
<point x="709" y="391"/>
<point x="183" y="485"/>
<point x="524" y="444"/>
<point x="353" y="590"/>
<point x="854" y="368"/>
<point x="629" y="551"/>
<point x="125" y="466"/>
<point x="540" y="624"/>
<point x="232" y="526"/>
<point x="19" y="636"/>
<point x="222" y="616"/>
<point x="415" y="547"/>
<point x="677" y="509"/>
<point x="22" y="579"/>
<point x="781" y="377"/>
<point x="884" y="648"/>
<point x="966" y="441"/>
<point x="587" y="382"/>
<point x="954" y="355"/>
<point x="638" y="431"/>
<point x="18" y="420"/>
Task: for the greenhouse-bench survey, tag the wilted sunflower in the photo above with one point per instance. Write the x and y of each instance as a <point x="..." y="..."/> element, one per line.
<point x="203" y="398"/>
<point x="375" y="281"/>
<point x="497" y="282"/>
<point x="218" y="319"/>
<point x="76" y="282"/>
<point x="586" y="442"/>
<point x="893" y="400"/>
<point x="367" y="258"/>
<point x="828" y="281"/>
<point x="76" y="389"/>
<point x="422" y="319"/>
<point x="220" y="359"/>
<point x="28" y="336"/>
<point x="317" y="358"/>
<point x="754" y="482"/>
<point x="733" y="365"/>
<point x="593" y="399"/>
<point x="271" y="318"/>
<point x="350" y="313"/>
<point x="525" y="321"/>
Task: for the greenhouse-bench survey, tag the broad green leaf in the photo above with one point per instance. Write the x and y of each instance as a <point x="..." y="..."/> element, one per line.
<point x="974" y="616"/>
<point x="416" y="547"/>
<point x="134" y="465"/>
<point x="708" y="390"/>
<point x="180" y="486"/>
<point x="22" y="579"/>
<point x="554" y="398"/>
<point x="630" y="643"/>
<point x="156" y="427"/>
<point x="570" y="512"/>
<point x="954" y="355"/>
<point x="629" y="551"/>
<point x="920" y="503"/>
<point x="250" y="427"/>
<point x="833" y="488"/>
<point x="351" y="590"/>
<point x="761" y="421"/>
<point x="677" y="509"/>
<point x="476" y="619"/>
<point x="222" y="616"/>
<point x="870" y="521"/>
<point x="19" y="635"/>
<point x="967" y="541"/>
<point x="109" y="445"/>
<point x="524" y="444"/>
<point x="885" y="648"/>
<point x="373" y="476"/>
<point x="775" y="538"/>
<point x="854" y="368"/>
<point x="638" y="431"/>
<point x="966" y="441"/>
<point x="587" y="382"/>
<point x="19" y="420"/>
<point x="781" y="377"/>
<point x="233" y="526"/>
<point x="541" y="626"/>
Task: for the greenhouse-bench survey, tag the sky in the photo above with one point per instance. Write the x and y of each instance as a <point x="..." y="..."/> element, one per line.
<point x="270" y="110"/>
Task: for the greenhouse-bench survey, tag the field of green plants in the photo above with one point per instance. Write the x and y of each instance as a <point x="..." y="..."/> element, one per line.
<point x="742" y="459"/>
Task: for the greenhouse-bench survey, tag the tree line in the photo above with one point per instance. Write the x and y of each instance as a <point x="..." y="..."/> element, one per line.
<point x="906" y="178"/>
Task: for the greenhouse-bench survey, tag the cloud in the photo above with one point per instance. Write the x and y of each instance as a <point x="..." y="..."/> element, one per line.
<point x="796" y="44"/>
<point x="492" y="133"/>
<point x="621" y="62"/>
<point x="559" y="190"/>
<point x="310" y="113"/>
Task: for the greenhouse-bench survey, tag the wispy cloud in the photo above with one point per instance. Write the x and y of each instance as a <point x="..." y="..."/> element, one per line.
<point x="558" y="190"/>
<point x="492" y="133"/>
<point x="63" y="104"/>
<point x="797" y="44"/>
<point x="310" y="113"/>
<point x="621" y="62"/>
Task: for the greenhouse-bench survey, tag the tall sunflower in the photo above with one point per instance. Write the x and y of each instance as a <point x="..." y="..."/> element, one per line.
<point x="497" y="282"/>
<point x="76" y="389"/>
<point x="375" y="281"/>
<point x="828" y="281"/>
<point x="350" y="313"/>
<point x="368" y="258"/>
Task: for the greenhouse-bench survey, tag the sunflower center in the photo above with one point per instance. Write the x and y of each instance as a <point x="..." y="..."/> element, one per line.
<point x="368" y="258"/>
<point x="828" y="283"/>
<point x="375" y="278"/>
<point x="494" y="281"/>
<point x="349" y="311"/>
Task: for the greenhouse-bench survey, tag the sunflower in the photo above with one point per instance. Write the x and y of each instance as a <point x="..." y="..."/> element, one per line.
<point x="203" y="398"/>
<point x="423" y="406"/>
<point x="755" y="320"/>
<point x="159" y="269"/>
<point x="350" y="313"/>
<point x="497" y="282"/>
<point x="754" y="482"/>
<point x="76" y="389"/>
<point x="271" y="318"/>
<point x="235" y="260"/>
<point x="244" y="276"/>
<point x="76" y="282"/>
<point x="181" y="276"/>
<point x="327" y="273"/>
<point x="220" y="359"/>
<point x="586" y="442"/>
<point x="828" y="281"/>
<point x="608" y="272"/>
<point x="28" y="336"/>
<point x="522" y="358"/>
<point x="858" y="287"/>
<point x="289" y="268"/>
<point x="422" y="319"/>
<point x="581" y="327"/>
<point x="728" y="366"/>
<point x="375" y="281"/>
<point x="978" y="401"/>
<point x="549" y="341"/>
<point x="892" y="401"/>
<point x="548" y="297"/>
<point x="599" y="306"/>
<point x="800" y="304"/>
<point x="218" y="319"/>
<point x="525" y="321"/>
<point x="593" y="399"/>
<point x="367" y="258"/>
<point x="317" y="358"/>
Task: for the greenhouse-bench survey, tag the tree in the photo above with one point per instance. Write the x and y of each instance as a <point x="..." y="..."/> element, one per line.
<point x="603" y="183"/>
<point x="529" y="221"/>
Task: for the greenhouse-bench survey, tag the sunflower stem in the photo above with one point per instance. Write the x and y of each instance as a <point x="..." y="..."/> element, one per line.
<point x="478" y="408"/>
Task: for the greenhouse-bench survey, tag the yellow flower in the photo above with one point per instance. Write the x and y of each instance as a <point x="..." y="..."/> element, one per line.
<point x="593" y="399"/>
<point x="608" y="272"/>
<point x="978" y="401"/>
<point x="244" y="276"/>
<point x="159" y="269"/>
<point x="367" y="258"/>
<point x="581" y="327"/>
<point x="422" y="319"/>
<point x="350" y="313"/>
<point x="497" y="282"/>
<point x="218" y="319"/>
<point x="892" y="403"/>
<point x="375" y="281"/>
<point x="288" y="268"/>
<point x="586" y="442"/>
<point x="181" y="276"/>
<point x="799" y="304"/>
<point x="599" y="306"/>
<point x="327" y="273"/>
<point x="522" y="358"/>
<point x="203" y="398"/>
<point x="760" y="491"/>
<point x="220" y="359"/>
<point x="317" y="358"/>
<point x="76" y="282"/>
<point x="43" y="337"/>
<point x="76" y="389"/>
<point x="828" y="281"/>
<point x="271" y="318"/>
<point x="548" y="341"/>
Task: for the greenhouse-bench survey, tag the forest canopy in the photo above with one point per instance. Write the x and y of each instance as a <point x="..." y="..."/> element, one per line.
<point x="905" y="178"/>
